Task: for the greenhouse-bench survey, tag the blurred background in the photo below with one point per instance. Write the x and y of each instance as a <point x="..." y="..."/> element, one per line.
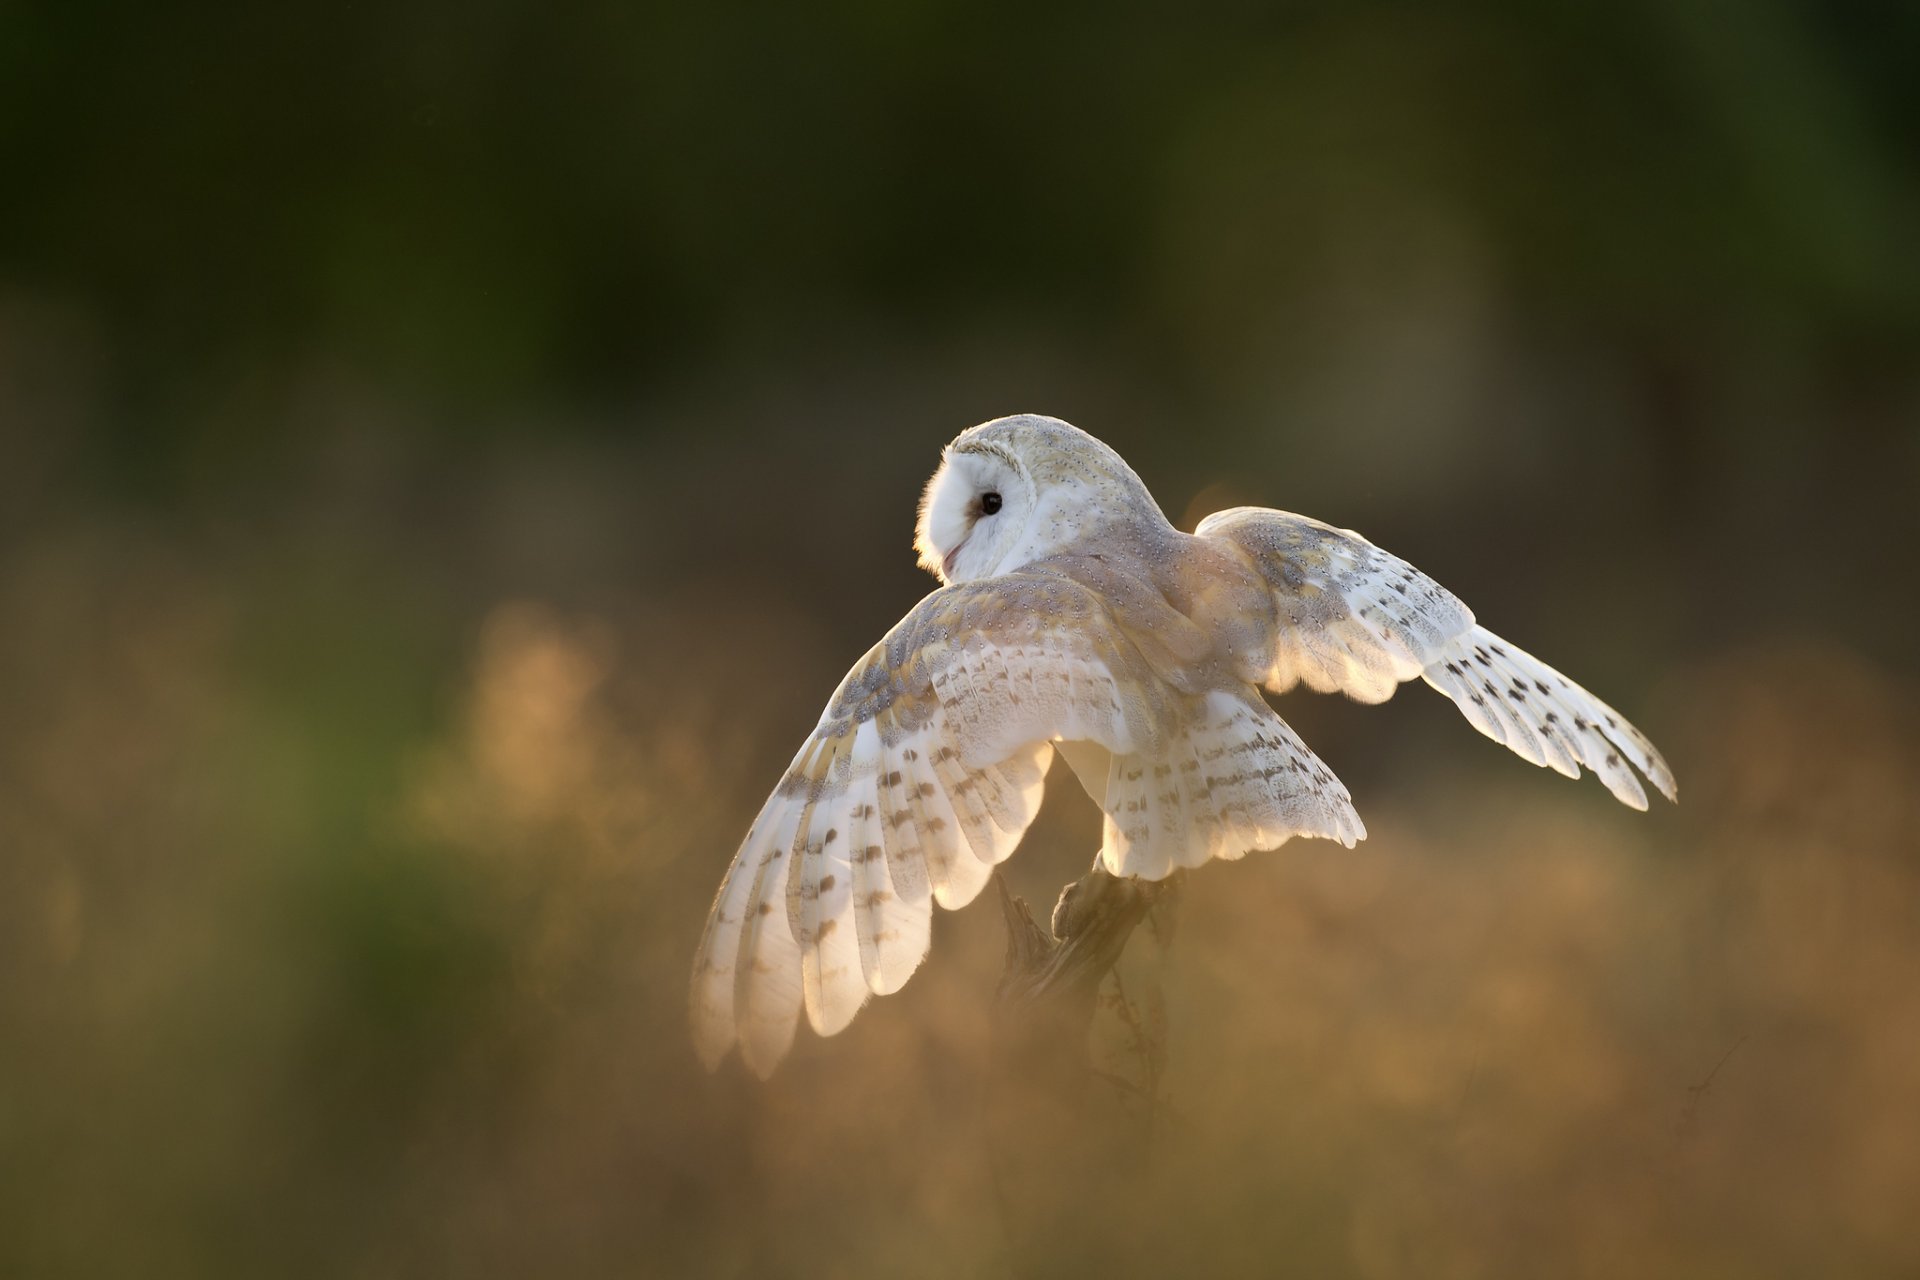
<point x="449" y="453"/>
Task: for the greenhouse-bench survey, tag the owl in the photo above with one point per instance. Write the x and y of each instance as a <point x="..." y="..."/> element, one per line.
<point x="1073" y="619"/>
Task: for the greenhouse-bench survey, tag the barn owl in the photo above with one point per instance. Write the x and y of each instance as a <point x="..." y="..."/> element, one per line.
<point x="1073" y="618"/>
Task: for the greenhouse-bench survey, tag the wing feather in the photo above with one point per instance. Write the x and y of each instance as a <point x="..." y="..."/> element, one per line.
<point x="1236" y="779"/>
<point x="820" y="909"/>
<point x="875" y="910"/>
<point x="924" y="772"/>
<point x="767" y="979"/>
<point x="1348" y="617"/>
<point x="1572" y="727"/>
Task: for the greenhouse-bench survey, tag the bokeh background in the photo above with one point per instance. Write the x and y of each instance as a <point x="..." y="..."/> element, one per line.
<point x="448" y="453"/>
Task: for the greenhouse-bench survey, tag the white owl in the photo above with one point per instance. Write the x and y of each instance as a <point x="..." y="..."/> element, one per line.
<point x="1073" y="617"/>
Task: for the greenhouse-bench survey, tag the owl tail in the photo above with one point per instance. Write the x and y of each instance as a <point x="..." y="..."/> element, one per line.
<point x="1237" y="778"/>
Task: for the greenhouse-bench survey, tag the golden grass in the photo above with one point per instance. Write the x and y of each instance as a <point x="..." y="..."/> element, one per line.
<point x="434" y="1023"/>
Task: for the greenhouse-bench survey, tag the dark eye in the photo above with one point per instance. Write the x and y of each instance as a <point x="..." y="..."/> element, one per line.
<point x="989" y="503"/>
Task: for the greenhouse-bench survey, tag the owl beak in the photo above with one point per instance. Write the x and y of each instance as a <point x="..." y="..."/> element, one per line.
<point x="946" y="561"/>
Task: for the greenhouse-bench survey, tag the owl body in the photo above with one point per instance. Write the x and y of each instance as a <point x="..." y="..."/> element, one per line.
<point x="1094" y="521"/>
<point x="1074" y="618"/>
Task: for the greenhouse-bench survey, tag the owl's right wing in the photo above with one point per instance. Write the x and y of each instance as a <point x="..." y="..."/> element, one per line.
<point x="923" y="774"/>
<point x="1347" y="617"/>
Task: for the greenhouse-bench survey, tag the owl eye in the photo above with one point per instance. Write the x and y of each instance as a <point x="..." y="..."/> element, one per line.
<point x="989" y="503"/>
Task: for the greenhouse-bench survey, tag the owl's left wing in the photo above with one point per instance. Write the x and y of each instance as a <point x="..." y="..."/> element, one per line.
<point x="1348" y="617"/>
<point x="923" y="773"/>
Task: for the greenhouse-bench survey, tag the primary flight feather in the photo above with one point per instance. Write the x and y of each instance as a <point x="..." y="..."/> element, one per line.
<point x="1074" y="616"/>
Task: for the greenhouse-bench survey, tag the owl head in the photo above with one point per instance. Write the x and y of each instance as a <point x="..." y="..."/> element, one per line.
<point x="1016" y="490"/>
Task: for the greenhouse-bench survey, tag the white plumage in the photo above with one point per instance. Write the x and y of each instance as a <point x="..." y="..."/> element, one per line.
<point x="1074" y="616"/>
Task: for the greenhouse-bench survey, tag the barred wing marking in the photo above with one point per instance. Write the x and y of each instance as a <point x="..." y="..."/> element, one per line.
<point x="1234" y="779"/>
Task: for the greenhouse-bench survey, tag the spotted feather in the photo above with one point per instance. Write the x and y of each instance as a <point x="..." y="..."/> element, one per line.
<point x="1350" y="618"/>
<point x="924" y="772"/>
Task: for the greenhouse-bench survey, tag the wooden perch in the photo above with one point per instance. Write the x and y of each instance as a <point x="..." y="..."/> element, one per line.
<point x="1052" y="977"/>
<point x="1092" y="921"/>
<point x="1059" y="1142"/>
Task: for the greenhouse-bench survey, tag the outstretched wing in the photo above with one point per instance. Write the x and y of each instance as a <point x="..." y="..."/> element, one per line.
<point x="1350" y="618"/>
<point x="923" y="774"/>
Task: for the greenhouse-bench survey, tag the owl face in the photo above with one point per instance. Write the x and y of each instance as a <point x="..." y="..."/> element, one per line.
<point x="1022" y="488"/>
<point x="973" y="512"/>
